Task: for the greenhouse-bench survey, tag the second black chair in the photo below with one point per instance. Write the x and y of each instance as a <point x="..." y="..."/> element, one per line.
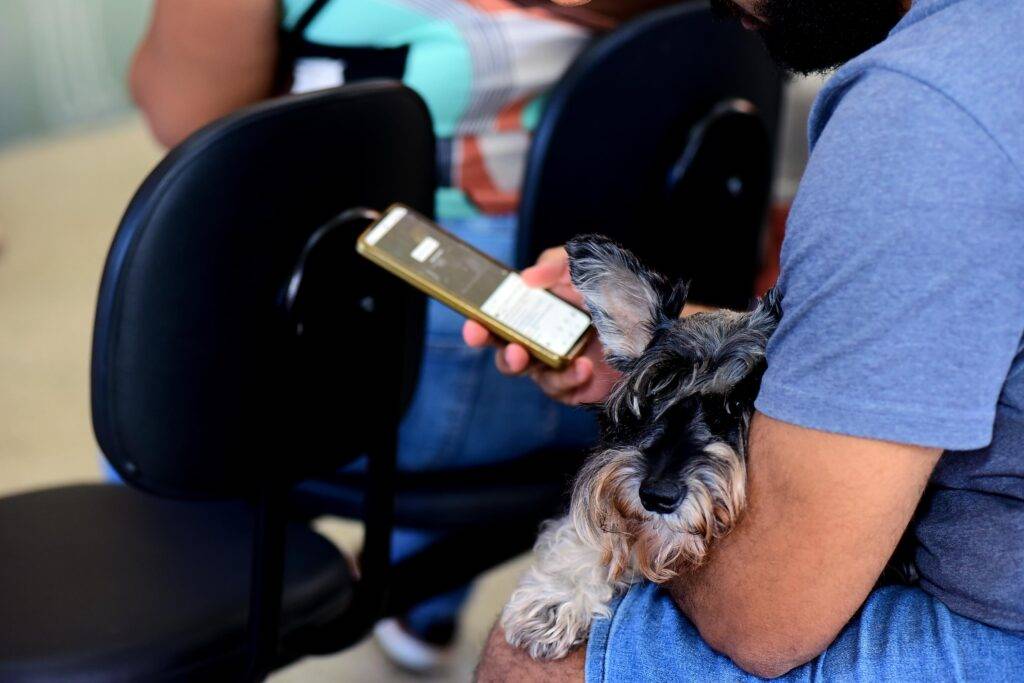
<point x="662" y="136"/>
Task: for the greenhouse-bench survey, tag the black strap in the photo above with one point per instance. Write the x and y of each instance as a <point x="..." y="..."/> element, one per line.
<point x="289" y="43"/>
<point x="307" y="17"/>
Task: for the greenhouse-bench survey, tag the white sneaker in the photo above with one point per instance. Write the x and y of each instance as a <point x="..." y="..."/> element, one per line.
<point x="408" y="651"/>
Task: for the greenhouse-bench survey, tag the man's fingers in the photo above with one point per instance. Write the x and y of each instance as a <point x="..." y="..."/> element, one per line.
<point x="558" y="383"/>
<point x="552" y="273"/>
<point x="551" y="268"/>
<point x="512" y="360"/>
<point x="543" y="275"/>
<point x="554" y="255"/>
<point x="475" y="334"/>
<point x="568" y="292"/>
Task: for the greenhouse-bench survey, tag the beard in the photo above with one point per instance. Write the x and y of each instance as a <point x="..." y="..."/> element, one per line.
<point x="809" y="36"/>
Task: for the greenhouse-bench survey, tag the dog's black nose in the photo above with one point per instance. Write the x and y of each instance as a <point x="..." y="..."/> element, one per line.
<point x="662" y="496"/>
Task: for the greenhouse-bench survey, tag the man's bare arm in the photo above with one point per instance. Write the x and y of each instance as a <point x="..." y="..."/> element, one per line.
<point x="824" y="514"/>
<point x="202" y="59"/>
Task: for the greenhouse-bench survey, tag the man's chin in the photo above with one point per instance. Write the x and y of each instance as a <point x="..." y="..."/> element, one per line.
<point x="799" y="64"/>
<point x="806" y="62"/>
<point x="818" y="36"/>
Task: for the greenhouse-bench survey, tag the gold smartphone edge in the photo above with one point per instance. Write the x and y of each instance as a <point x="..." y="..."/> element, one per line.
<point x="382" y="259"/>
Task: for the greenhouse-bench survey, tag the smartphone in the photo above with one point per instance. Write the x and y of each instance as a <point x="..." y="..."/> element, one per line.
<point x="426" y="256"/>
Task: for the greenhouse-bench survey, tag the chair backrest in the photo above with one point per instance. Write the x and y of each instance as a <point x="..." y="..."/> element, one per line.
<point x="661" y="136"/>
<point x="202" y="384"/>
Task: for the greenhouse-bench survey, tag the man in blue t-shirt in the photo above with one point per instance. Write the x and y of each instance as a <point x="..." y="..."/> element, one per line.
<point x="895" y="382"/>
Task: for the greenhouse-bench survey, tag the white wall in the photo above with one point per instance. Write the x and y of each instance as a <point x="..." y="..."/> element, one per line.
<point x="792" y="157"/>
<point x="63" y="62"/>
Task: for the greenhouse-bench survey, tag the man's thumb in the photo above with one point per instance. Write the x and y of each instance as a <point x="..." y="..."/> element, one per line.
<point x="544" y="274"/>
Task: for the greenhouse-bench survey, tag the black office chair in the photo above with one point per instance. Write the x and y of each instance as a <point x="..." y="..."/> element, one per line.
<point x="662" y="136"/>
<point x="240" y="344"/>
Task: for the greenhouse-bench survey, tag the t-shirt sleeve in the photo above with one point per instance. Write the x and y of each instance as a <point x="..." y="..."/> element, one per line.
<point x="902" y="273"/>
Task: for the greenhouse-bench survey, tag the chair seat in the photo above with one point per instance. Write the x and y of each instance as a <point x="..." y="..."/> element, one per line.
<point x="101" y="582"/>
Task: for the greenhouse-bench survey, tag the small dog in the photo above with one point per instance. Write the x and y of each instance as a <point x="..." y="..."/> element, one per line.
<point x="669" y="476"/>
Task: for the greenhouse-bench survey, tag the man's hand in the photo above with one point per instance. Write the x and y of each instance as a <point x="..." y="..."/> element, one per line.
<point x="587" y="379"/>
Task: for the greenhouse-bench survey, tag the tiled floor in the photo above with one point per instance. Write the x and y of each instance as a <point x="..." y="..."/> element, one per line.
<point x="59" y="204"/>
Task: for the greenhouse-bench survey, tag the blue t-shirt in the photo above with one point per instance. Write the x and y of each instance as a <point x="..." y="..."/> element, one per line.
<point x="903" y="284"/>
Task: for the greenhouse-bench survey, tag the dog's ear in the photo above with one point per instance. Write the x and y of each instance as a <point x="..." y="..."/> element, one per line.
<point x="626" y="299"/>
<point x="673" y="302"/>
<point x="766" y="315"/>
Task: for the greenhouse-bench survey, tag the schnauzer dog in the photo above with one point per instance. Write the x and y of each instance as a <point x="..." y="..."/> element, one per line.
<point x="669" y="476"/>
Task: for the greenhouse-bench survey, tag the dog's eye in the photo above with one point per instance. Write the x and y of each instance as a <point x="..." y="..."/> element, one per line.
<point x="734" y="407"/>
<point x="716" y="413"/>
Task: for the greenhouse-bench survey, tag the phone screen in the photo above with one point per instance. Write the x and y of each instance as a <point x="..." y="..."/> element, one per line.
<point x="420" y="247"/>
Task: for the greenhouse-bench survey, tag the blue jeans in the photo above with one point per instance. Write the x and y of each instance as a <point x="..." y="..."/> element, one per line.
<point x="466" y="413"/>
<point x="901" y="634"/>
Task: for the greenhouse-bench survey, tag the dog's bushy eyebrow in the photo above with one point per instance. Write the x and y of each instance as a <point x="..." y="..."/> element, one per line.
<point x="731" y="345"/>
<point x="708" y="355"/>
<point x="739" y="353"/>
<point x="732" y="373"/>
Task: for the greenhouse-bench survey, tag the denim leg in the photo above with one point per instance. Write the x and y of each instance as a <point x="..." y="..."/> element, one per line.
<point x="438" y="609"/>
<point x="107" y="470"/>
<point x="901" y="634"/>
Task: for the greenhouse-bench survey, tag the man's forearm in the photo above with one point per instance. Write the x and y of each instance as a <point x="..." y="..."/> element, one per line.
<point x="824" y="514"/>
<point x="723" y="601"/>
<point x="501" y="663"/>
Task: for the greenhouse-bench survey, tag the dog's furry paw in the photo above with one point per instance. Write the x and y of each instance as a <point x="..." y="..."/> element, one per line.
<point x="544" y="629"/>
<point x="551" y="611"/>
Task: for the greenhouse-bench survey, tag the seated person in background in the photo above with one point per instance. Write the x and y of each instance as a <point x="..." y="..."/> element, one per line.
<point x="894" y="392"/>
<point x="483" y="69"/>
